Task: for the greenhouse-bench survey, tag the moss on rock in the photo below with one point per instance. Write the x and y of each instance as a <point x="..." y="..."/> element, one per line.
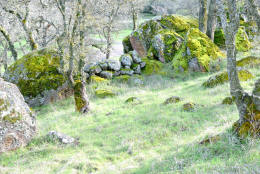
<point x="36" y="72"/>
<point x="222" y="78"/>
<point x="103" y="93"/>
<point x="97" y="79"/>
<point x="196" y="45"/>
<point x="228" y="101"/>
<point x="248" y="61"/>
<point x="152" y="67"/>
<point x="122" y="78"/>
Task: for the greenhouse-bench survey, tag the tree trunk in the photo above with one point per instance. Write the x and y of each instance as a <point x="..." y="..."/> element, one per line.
<point x="212" y="20"/>
<point x="30" y="39"/>
<point x="81" y="97"/>
<point x="10" y="43"/>
<point x="109" y="41"/>
<point x="203" y="16"/>
<point x="249" y="116"/>
<point x="253" y="10"/>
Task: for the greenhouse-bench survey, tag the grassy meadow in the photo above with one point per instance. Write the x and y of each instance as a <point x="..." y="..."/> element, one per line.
<point x="116" y="137"/>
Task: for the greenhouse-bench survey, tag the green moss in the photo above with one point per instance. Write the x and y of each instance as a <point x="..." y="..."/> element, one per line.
<point x="189" y="107"/>
<point x="228" y="101"/>
<point x="178" y="23"/>
<point x="248" y="61"/>
<point x="37" y="72"/>
<point x="122" y="78"/>
<point x="103" y="93"/>
<point x="200" y="47"/>
<point x="97" y="79"/>
<point x="172" y="100"/>
<point x="13" y="117"/>
<point x="242" y="40"/>
<point x="222" y="78"/>
<point x="152" y="67"/>
<point x="127" y="44"/>
<point x="79" y="102"/>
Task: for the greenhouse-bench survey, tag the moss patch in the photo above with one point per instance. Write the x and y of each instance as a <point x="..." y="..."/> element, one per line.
<point x="152" y="67"/>
<point x="222" y="78"/>
<point x="97" y="79"/>
<point x="103" y="93"/>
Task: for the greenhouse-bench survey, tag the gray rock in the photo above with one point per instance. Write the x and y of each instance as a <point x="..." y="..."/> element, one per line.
<point x="159" y="47"/>
<point x="88" y="67"/>
<point x="114" y="65"/>
<point x="17" y="122"/>
<point x="126" y="60"/>
<point x="103" y="65"/>
<point x="62" y="138"/>
<point x="136" y="80"/>
<point x="106" y="74"/>
<point x="136" y="57"/>
<point x="95" y="69"/>
<point x="127" y="67"/>
<point x="142" y="64"/>
<point x="137" y="69"/>
<point x="194" y="65"/>
<point x="127" y="72"/>
<point x="117" y="73"/>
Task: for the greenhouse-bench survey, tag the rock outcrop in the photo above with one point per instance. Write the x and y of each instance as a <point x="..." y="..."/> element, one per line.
<point x="175" y="39"/>
<point x="17" y="122"/>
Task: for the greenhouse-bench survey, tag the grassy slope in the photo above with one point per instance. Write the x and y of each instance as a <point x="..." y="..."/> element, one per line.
<point x="147" y="138"/>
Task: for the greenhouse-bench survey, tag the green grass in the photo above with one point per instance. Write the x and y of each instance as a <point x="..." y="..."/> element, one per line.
<point x="138" y="139"/>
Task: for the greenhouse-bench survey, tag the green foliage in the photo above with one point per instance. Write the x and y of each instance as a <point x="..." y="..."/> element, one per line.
<point x="103" y="93"/>
<point x="152" y="67"/>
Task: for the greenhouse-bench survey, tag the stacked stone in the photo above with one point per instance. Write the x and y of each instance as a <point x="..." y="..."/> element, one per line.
<point x="129" y="64"/>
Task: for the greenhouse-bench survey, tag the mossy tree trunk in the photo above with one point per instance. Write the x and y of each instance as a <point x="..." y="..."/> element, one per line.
<point x="253" y="10"/>
<point x="247" y="109"/>
<point x="203" y="16"/>
<point x="212" y="20"/>
<point x="9" y="41"/>
<point x="134" y="15"/>
<point x="81" y="97"/>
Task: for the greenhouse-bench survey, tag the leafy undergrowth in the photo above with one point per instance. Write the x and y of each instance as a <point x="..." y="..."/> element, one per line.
<point x="116" y="137"/>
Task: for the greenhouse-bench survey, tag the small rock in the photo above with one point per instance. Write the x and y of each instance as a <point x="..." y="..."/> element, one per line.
<point x="95" y="69"/>
<point x="126" y="60"/>
<point x="194" y="65"/>
<point x="133" y="100"/>
<point x="136" y="57"/>
<point x="189" y="107"/>
<point x="117" y="73"/>
<point x="114" y="65"/>
<point x="106" y="74"/>
<point x="136" y="80"/>
<point x="142" y="64"/>
<point x="62" y="138"/>
<point x="103" y="93"/>
<point x="127" y="72"/>
<point x="103" y="66"/>
<point x="172" y="100"/>
<point x="228" y="101"/>
<point x="137" y="69"/>
<point x="88" y="67"/>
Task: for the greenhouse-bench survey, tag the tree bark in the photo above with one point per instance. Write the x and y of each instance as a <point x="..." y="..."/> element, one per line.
<point x="81" y="97"/>
<point x="10" y="43"/>
<point x="203" y="16"/>
<point x="212" y="20"/>
<point x="253" y="10"/>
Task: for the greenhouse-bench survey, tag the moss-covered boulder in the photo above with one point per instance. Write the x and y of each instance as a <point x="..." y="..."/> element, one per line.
<point x="189" y="107"/>
<point x="17" y="122"/>
<point x="103" y="93"/>
<point x="127" y="44"/>
<point x="38" y="77"/>
<point x="242" y="41"/>
<point x="196" y="46"/>
<point x="172" y="100"/>
<point x="222" y="78"/>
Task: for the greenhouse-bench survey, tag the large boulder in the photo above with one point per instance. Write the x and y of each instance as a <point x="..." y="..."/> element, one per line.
<point x="38" y="77"/>
<point x="17" y="122"/>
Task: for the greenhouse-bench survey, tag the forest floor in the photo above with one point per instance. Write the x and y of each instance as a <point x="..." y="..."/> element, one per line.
<point x="150" y="137"/>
